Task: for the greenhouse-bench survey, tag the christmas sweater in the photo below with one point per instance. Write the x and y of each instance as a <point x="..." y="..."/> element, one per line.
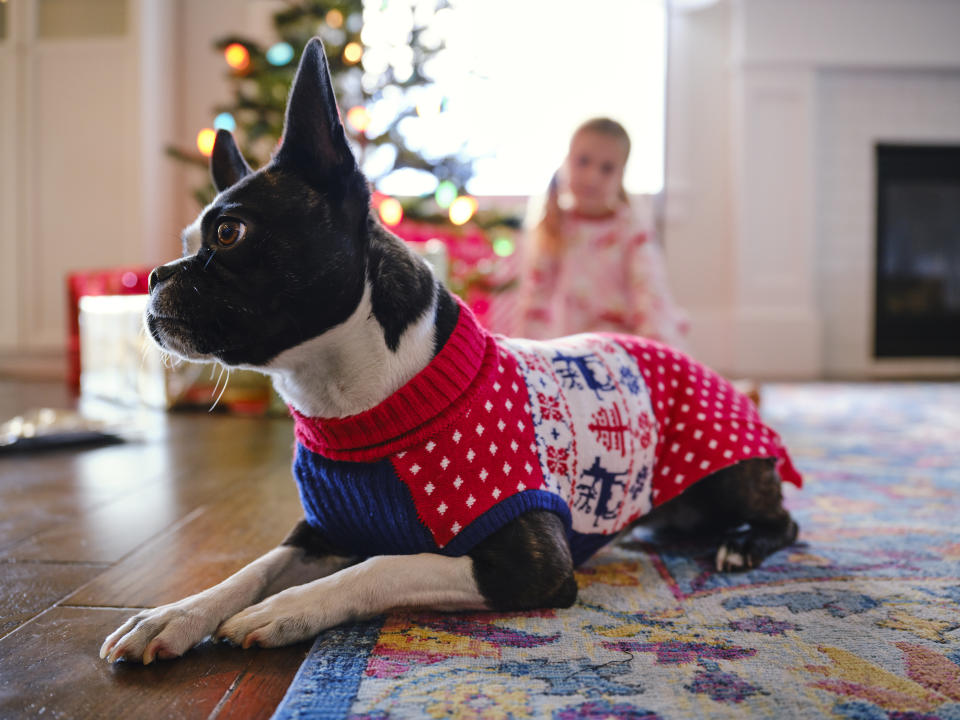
<point x="598" y="428"/>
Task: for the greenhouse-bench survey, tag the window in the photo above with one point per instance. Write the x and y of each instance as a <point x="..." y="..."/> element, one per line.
<point x="516" y="78"/>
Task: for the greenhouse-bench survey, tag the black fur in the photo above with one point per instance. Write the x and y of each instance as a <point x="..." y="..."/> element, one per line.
<point x="313" y="137"/>
<point x="311" y="239"/>
<point x="403" y="286"/>
<point x="743" y="502"/>
<point x="227" y="164"/>
<point x="448" y="312"/>
<point x="303" y="536"/>
<point x="526" y="564"/>
<point x="298" y="272"/>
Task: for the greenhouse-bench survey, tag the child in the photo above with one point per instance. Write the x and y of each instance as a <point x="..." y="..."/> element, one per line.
<point x="591" y="264"/>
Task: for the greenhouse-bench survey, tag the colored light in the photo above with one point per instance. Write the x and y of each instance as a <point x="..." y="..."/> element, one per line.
<point x="359" y="118"/>
<point x="224" y="121"/>
<point x="128" y="279"/>
<point x="280" y="54"/>
<point x="391" y="212"/>
<point x="445" y="194"/>
<point x="503" y="246"/>
<point x="205" y="140"/>
<point x="462" y="209"/>
<point x="430" y="108"/>
<point x="352" y="52"/>
<point x="334" y="18"/>
<point x="237" y="56"/>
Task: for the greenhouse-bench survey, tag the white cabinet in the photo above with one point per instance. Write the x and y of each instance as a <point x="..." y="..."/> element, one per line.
<point x="85" y="114"/>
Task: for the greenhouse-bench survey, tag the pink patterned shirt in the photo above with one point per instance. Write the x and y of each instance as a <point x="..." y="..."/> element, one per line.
<point x="609" y="277"/>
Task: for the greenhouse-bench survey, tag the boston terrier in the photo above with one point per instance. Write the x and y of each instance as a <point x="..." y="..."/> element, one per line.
<point x="439" y="466"/>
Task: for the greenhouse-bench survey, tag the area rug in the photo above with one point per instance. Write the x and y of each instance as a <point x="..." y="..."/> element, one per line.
<point x="859" y="620"/>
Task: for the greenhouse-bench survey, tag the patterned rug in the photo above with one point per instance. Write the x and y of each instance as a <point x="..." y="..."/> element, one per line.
<point x="859" y="620"/>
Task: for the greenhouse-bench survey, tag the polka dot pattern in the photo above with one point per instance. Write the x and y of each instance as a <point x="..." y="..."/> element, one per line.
<point x="705" y="423"/>
<point x="484" y="456"/>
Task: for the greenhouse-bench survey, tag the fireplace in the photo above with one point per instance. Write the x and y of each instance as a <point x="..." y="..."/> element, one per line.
<point x="918" y="251"/>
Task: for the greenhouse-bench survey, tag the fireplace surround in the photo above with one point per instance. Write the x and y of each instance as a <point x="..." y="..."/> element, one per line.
<point x="917" y="308"/>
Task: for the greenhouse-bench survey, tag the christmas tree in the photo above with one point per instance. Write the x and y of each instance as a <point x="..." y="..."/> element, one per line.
<point x="379" y="52"/>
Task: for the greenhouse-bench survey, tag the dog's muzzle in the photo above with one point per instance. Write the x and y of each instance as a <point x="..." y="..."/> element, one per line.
<point x="158" y="275"/>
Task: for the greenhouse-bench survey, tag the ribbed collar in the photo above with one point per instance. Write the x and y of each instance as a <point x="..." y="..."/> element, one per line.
<point x="415" y="410"/>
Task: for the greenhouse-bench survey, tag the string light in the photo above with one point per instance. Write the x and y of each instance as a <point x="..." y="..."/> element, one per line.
<point x="503" y="246"/>
<point x="237" y="56"/>
<point x="462" y="209"/>
<point x="334" y="18"/>
<point x="224" y="121"/>
<point x="391" y="212"/>
<point x="445" y="194"/>
<point x="359" y="118"/>
<point x="352" y="53"/>
<point x="430" y="107"/>
<point x="205" y="140"/>
<point x="280" y="54"/>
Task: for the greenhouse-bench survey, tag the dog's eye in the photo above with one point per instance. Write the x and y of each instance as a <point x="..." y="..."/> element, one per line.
<point x="230" y="232"/>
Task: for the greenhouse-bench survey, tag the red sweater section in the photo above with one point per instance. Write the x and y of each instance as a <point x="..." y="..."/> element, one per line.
<point x="432" y="399"/>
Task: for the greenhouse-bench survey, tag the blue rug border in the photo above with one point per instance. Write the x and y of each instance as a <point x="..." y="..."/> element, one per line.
<point x="327" y="682"/>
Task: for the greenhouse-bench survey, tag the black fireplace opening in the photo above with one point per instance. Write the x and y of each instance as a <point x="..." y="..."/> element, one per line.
<point x="918" y="251"/>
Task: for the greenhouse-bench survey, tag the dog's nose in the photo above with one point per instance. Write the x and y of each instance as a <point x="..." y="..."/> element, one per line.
<point x="158" y="275"/>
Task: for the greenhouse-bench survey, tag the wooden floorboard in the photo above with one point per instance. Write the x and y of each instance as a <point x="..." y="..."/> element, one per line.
<point x="50" y="668"/>
<point x="87" y="535"/>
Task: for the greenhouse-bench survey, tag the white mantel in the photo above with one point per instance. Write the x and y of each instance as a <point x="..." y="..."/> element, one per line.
<point x="815" y="84"/>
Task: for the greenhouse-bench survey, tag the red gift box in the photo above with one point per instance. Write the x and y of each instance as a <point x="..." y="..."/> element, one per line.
<point x="119" y="281"/>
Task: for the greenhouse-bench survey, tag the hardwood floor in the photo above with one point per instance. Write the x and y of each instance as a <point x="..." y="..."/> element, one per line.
<point x="89" y="535"/>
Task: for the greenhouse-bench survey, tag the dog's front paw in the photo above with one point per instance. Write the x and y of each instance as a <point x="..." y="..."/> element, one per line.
<point x="164" y="632"/>
<point x="282" y="619"/>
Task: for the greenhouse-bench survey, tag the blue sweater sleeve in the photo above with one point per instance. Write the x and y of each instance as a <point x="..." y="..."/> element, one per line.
<point x="362" y="508"/>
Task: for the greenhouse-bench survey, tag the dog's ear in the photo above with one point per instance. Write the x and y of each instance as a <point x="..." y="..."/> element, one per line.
<point x="227" y="165"/>
<point x="313" y="136"/>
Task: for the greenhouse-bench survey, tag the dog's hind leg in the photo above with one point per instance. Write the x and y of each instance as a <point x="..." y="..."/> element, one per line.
<point x="526" y="564"/>
<point x="743" y="501"/>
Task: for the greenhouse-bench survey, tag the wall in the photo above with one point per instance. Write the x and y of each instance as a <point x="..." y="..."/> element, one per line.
<point x="752" y="89"/>
<point x="698" y="222"/>
<point x="858" y="108"/>
<point x="817" y="83"/>
<point x="773" y="108"/>
<point x="78" y="176"/>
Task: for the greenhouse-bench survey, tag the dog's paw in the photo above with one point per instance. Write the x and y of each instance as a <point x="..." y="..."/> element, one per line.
<point x="733" y="556"/>
<point x="282" y="619"/>
<point x="161" y="633"/>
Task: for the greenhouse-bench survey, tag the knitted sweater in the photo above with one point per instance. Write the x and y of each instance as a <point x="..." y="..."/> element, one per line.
<point x="596" y="428"/>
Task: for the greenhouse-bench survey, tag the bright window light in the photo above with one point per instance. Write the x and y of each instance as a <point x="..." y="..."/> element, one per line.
<point x="517" y="77"/>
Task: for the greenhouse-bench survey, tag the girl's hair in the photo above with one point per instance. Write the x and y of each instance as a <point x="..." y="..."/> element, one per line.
<point x="550" y="221"/>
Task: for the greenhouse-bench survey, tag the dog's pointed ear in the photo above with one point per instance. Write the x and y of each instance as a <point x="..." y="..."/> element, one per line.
<point x="313" y="135"/>
<point x="227" y="166"/>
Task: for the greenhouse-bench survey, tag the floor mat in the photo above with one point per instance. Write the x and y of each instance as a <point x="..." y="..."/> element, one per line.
<point x="860" y="619"/>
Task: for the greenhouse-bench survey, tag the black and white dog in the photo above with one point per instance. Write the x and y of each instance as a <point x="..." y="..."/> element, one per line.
<point x="440" y="467"/>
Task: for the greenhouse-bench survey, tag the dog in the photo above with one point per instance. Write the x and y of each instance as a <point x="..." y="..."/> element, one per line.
<point x="440" y="467"/>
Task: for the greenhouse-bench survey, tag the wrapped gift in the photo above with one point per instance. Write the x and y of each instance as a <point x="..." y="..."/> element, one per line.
<point x="119" y="362"/>
<point x="113" y="281"/>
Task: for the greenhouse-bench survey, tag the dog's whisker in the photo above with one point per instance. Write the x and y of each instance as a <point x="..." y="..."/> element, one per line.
<point x="212" y="253"/>
<point x="226" y="380"/>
